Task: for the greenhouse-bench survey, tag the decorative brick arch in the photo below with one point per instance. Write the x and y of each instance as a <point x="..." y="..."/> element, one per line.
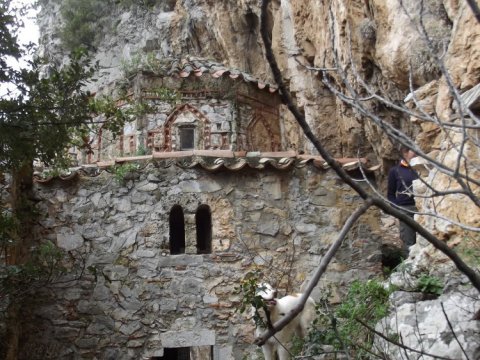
<point x="167" y="129"/>
<point x="255" y="137"/>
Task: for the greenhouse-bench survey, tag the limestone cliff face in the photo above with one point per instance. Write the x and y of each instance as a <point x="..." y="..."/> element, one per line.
<point x="376" y="41"/>
<point x="378" y="37"/>
<point x="376" y="45"/>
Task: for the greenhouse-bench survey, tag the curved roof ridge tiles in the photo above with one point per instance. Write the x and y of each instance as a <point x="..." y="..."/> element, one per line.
<point x="222" y="159"/>
<point x="186" y="66"/>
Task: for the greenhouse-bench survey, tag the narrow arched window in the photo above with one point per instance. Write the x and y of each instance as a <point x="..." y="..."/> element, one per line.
<point x="177" y="230"/>
<point x="203" y="221"/>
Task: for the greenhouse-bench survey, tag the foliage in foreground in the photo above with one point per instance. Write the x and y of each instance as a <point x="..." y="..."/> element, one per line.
<point x="248" y="288"/>
<point x="339" y="327"/>
<point x="122" y="172"/>
<point x="43" y="267"/>
<point x="46" y="108"/>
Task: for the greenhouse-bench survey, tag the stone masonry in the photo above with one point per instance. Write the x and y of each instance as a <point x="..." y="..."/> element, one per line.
<point x="134" y="300"/>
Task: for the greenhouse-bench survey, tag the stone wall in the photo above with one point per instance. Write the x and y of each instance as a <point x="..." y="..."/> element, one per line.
<point x="134" y="299"/>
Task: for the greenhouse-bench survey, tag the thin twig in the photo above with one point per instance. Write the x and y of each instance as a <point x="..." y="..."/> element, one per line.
<point x="405" y="347"/>
<point x="472" y="275"/>
<point x="453" y="332"/>
<point x="322" y="267"/>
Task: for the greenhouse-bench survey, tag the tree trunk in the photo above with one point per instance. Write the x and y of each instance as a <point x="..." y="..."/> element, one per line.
<point x="23" y="209"/>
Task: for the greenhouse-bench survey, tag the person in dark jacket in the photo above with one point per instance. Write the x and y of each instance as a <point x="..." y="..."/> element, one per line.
<point x="400" y="193"/>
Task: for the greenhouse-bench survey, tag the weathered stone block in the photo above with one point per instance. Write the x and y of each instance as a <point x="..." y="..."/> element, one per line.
<point x="168" y="304"/>
<point x="123" y="205"/>
<point x="268" y="227"/>
<point x="180" y="260"/>
<point x="192" y="286"/>
<point x="305" y="228"/>
<point x="274" y="189"/>
<point x="121" y="225"/>
<point x="148" y="268"/>
<point x="66" y="333"/>
<point x="101" y="292"/>
<point x="324" y="197"/>
<point x="87" y="343"/>
<point x="69" y="242"/>
<point x="132" y="305"/>
<point x="200" y="337"/>
<point x="210" y="299"/>
<point x="130" y="327"/>
<point x="98" y="201"/>
<point x="136" y="343"/>
<point x="115" y="272"/>
<point x="202" y="186"/>
<point x="147" y="187"/>
<point x="101" y="325"/>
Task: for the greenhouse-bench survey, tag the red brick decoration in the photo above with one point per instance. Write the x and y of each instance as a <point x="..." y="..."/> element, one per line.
<point x="132" y="144"/>
<point x="154" y="140"/>
<point x="263" y="135"/>
<point x="167" y="146"/>
<point x="120" y="144"/>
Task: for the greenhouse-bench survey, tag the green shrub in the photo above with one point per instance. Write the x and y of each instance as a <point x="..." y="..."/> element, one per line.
<point x="141" y="150"/>
<point x="8" y="228"/>
<point x="44" y="267"/>
<point x="124" y="171"/>
<point x="167" y="95"/>
<point x="146" y="3"/>
<point x="469" y="250"/>
<point x="430" y="285"/>
<point x="83" y="23"/>
<point x="340" y="328"/>
<point x="248" y="290"/>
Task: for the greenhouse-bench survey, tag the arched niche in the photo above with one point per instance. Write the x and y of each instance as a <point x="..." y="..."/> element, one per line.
<point x="263" y="135"/>
<point x="186" y="128"/>
<point x="177" y="230"/>
<point x="203" y="224"/>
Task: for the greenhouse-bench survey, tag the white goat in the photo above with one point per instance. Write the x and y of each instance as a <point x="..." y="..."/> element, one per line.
<point x="280" y="343"/>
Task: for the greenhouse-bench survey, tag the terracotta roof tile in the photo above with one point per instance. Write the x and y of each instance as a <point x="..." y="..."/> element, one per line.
<point x="216" y="160"/>
<point x="191" y="66"/>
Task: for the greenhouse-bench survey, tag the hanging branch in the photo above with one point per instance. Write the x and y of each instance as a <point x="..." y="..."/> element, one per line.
<point x="475" y="9"/>
<point x="394" y="342"/>
<point x="473" y="276"/>
<point x="322" y="267"/>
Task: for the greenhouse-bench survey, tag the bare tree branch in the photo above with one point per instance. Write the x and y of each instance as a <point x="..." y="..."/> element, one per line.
<point x="369" y="328"/>
<point x="475" y="9"/>
<point x="322" y="267"/>
<point x="453" y="332"/>
<point x="473" y="276"/>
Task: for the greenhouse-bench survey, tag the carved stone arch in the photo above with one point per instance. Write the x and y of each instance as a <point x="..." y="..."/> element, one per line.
<point x="203" y="126"/>
<point x="261" y="136"/>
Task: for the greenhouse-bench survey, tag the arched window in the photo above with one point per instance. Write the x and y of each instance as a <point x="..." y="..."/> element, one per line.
<point x="177" y="230"/>
<point x="203" y="221"/>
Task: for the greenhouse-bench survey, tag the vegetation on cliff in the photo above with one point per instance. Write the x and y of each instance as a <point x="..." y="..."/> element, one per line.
<point x="44" y="109"/>
<point x="426" y="76"/>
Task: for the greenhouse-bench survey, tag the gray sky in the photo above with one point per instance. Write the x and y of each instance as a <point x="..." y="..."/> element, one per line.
<point x="26" y="35"/>
<point x="30" y="32"/>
